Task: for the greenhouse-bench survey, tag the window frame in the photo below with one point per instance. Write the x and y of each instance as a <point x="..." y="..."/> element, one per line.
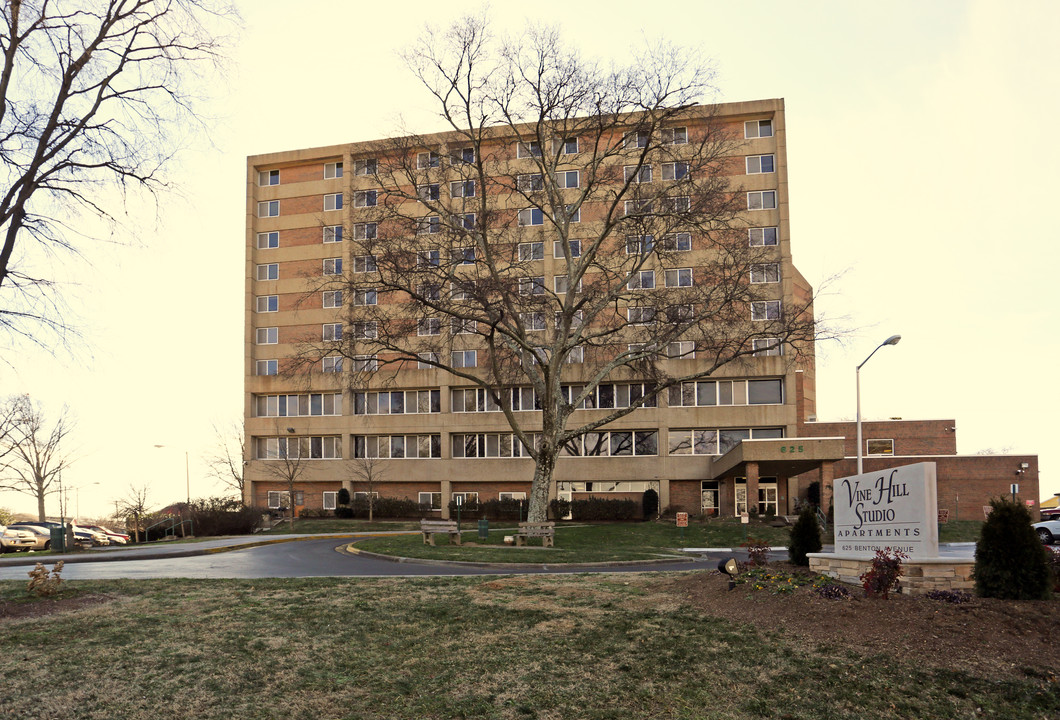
<point x="271" y="177"/>
<point x="267" y="271"/>
<point x="335" y="168"/>
<point x="365" y="167"/>
<point x="764" y="240"/>
<point x="366" y="198"/>
<point x="271" y="335"/>
<point x="332" y="234"/>
<point x="334" y="200"/>
<point x="331" y="332"/>
<point x="759" y="162"/>
<point x="759" y="125"/>
<point x="271" y="303"/>
<point x="266" y="208"/>
<point x="766" y="310"/>
<point x="759" y="197"/>
<point x="765" y="273"/>
<point x="271" y="240"/>
<point x="528" y="149"/>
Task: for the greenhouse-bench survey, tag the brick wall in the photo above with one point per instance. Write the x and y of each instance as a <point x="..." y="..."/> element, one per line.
<point x="911" y="437"/>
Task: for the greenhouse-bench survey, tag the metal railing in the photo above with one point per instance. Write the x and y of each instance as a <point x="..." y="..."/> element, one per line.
<point x="170" y="530"/>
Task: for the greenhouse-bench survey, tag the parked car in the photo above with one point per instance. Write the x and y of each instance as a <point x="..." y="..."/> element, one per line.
<point x="116" y="538"/>
<point x="14" y="539"/>
<point x="82" y="539"/>
<point x="42" y="536"/>
<point x="1048" y="530"/>
<point x="98" y="539"/>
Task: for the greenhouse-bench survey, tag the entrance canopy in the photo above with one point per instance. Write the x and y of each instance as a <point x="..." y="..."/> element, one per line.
<point x="785" y="457"/>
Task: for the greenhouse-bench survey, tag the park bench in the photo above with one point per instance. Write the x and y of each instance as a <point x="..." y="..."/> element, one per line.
<point x="430" y="528"/>
<point x="546" y="531"/>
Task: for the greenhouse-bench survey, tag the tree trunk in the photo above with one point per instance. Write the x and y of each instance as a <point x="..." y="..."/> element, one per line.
<point x="40" y="506"/>
<point x="542" y="484"/>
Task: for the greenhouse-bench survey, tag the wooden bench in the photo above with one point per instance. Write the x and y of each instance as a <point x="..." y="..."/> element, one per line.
<point x="546" y="531"/>
<point x="430" y="528"/>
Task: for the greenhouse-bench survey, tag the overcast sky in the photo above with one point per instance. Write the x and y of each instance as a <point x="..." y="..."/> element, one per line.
<point x="921" y="173"/>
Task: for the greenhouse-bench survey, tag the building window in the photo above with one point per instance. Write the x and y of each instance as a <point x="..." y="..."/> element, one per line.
<point x="427" y="160"/>
<point x="765" y="310"/>
<point x="363" y="330"/>
<point x="332" y="266"/>
<point x="429" y="326"/>
<point x="428" y="192"/>
<point x="431" y="292"/>
<point x="365" y="363"/>
<point x="683" y="349"/>
<point x="270" y="208"/>
<point x="637" y="173"/>
<point x="763" y="236"/>
<point x="465" y="358"/>
<point x="708" y="393"/>
<point x="268" y="272"/>
<point x="638" y="207"/>
<point x="268" y="177"/>
<point x="397" y="402"/>
<point x="429" y="225"/>
<point x="529" y="149"/>
<point x="640" y="315"/>
<point x="268" y="241"/>
<point x="639" y="244"/>
<point x="674" y="136"/>
<point x="332" y="233"/>
<point x="305" y="405"/>
<point x="364" y="263"/>
<point x="613" y="444"/>
<point x="529" y="182"/>
<point x="765" y="273"/>
<point x="487" y="445"/>
<point x="462" y="189"/>
<point x="575" y="356"/>
<point x="333" y="201"/>
<point x="533" y="321"/>
<point x="567" y="179"/>
<point x="569" y="146"/>
<point x="677" y="242"/>
<point x="397" y="447"/>
<point x="679" y="204"/>
<point x="679" y="313"/>
<point x="267" y="303"/>
<point x="757" y="164"/>
<point x="679" y="277"/>
<point x="463" y="156"/>
<point x="266" y="367"/>
<point x="332" y="331"/>
<point x="333" y="298"/>
<point x="331" y="364"/>
<point x="463" y="326"/>
<point x="267" y="335"/>
<point x="332" y="170"/>
<point x="758" y="129"/>
<point x="674" y="171"/>
<point x="531" y="216"/>
<point x="765" y="392"/>
<point x="531" y="251"/>
<point x="532" y="285"/>
<point x="638" y="139"/>
<point x="365" y="231"/>
<point x="642" y="280"/>
<point x="516" y="496"/>
<point x="574" y="245"/>
<point x="764" y="347"/>
<point x="561" y="284"/>
<point x="464" y="255"/>
<point x="365" y="198"/>
<point x="368" y="166"/>
<point x="430" y="500"/>
<point x="276" y="497"/>
<point x="427" y="361"/>
<point x="315" y="447"/>
<point x="762" y="200"/>
<point x="329" y="500"/>
<point x="879" y="447"/>
<point x="428" y="258"/>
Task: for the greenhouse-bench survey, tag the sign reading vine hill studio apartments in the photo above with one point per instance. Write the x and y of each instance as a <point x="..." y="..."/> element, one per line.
<point x="895" y="508"/>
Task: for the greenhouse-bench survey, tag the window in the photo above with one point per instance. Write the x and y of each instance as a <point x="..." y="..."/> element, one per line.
<point x="676" y="204"/>
<point x="575" y="356"/>
<point x="397" y="402"/>
<point x="529" y="149"/>
<point x="529" y="182"/>
<point x="464" y="255"/>
<point x="463" y="326"/>
<point x="428" y="192"/>
<point x="316" y="447"/>
<point x="333" y="201"/>
<point x="569" y="146"/>
<point x="758" y="129"/>
<point x="642" y="280"/>
<point x="465" y="358"/>
<point x="531" y="216"/>
<point x="362" y="330"/>
<point x="333" y="233"/>
<point x="462" y="188"/>
<point x="270" y="208"/>
<point x="765" y="310"/>
<point x="365" y="198"/>
<point x="426" y="160"/>
<point x="561" y="284"/>
<point x="674" y="136"/>
<point x="574" y="245"/>
<point x="332" y="266"/>
<point x="429" y="225"/>
<point x="368" y="166"/>
<point x="364" y="263"/>
<point x="329" y="500"/>
<point x="879" y="447"/>
<point x="430" y="501"/>
<point x="680" y="277"/>
<point x="616" y="444"/>
<point x="429" y="291"/>
<point x="365" y="363"/>
<point x="277" y="498"/>
<point x="464" y="156"/>
<point x="641" y="315"/>
<point x="332" y="170"/>
<point x="464" y="222"/>
<point x="762" y="200"/>
<point x="677" y="242"/>
<point x="332" y="364"/>
<point x="638" y="207"/>
<point x="680" y="313"/>
<point x="637" y="173"/>
<point x="674" y="170"/>
<point x="532" y="285"/>
<point x="765" y="273"/>
<point x="639" y="244"/>
<point x="429" y="326"/>
<point x="269" y="177"/>
<point x="367" y="296"/>
<point x="512" y="495"/>
<point x="767" y="346"/>
<point x="265" y="367"/>
<point x="533" y="321"/>
<point x="567" y="179"/>
<point x="694" y="442"/>
<point x="757" y="164"/>
<point x="268" y="241"/>
<point x="765" y="392"/>
<point x="531" y="251"/>
<point x="365" y="231"/>
<point x="762" y="236"/>
<point x="459" y="292"/>
<point x="465" y="498"/>
<point x="269" y="272"/>
<point x="267" y="335"/>
<point x="638" y="138"/>
<point x="426" y="361"/>
<point x="569" y="213"/>
<point x="305" y="405"/>
<point x="683" y="349"/>
<point x="268" y="303"/>
<point x="486" y="445"/>
<point x="332" y="331"/>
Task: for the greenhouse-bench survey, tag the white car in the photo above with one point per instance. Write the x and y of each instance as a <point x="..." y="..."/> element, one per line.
<point x="13" y="539"/>
<point x="1048" y="530"/>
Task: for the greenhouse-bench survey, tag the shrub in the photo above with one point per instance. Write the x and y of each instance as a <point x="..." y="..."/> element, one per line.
<point x="503" y="509"/>
<point x="831" y="591"/>
<point x="651" y="503"/>
<point x="1010" y="561"/>
<point x="223" y="516"/>
<point x="43" y="584"/>
<point x="954" y="597"/>
<point x="813" y="493"/>
<point x="596" y="509"/>
<point x="468" y="511"/>
<point x="344" y="511"/>
<point x="805" y="536"/>
<point x="387" y="507"/>
<point x="343" y="498"/>
<point x="559" y="509"/>
<point x="757" y="551"/>
<point x="885" y="572"/>
<point x="1053" y="556"/>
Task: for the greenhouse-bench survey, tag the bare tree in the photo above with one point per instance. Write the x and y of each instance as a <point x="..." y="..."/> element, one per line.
<point x="366" y="472"/>
<point x="286" y="459"/>
<point x="615" y="176"/>
<point x="95" y="97"/>
<point x="134" y="505"/>
<point x="34" y="454"/>
<point x="226" y="461"/>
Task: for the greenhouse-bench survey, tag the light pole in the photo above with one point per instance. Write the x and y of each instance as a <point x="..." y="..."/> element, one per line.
<point x="892" y="340"/>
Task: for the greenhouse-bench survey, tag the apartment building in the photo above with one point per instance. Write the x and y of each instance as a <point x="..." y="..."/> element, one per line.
<point x="432" y="434"/>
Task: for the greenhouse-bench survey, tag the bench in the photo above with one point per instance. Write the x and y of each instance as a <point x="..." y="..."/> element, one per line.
<point x="546" y="531"/>
<point x="430" y="528"/>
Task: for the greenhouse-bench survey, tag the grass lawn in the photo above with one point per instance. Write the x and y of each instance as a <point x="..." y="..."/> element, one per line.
<point x="511" y="648"/>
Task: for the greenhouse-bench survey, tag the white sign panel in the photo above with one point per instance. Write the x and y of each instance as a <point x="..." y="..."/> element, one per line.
<point x="895" y="508"/>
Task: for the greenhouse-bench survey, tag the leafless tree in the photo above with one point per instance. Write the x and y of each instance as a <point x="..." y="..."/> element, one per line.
<point x="288" y="462"/>
<point x="226" y="461"/>
<point x="95" y="98"/>
<point x="448" y="245"/>
<point x="366" y="472"/>
<point x="34" y="452"/>
<point x="134" y="505"/>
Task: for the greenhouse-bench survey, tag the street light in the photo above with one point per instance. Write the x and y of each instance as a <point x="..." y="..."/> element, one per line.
<point x="892" y="340"/>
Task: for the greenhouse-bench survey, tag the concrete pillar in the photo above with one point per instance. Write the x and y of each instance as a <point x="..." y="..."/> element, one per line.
<point x="726" y="496"/>
<point x="751" y="468"/>
<point x="827" y="477"/>
<point x="664" y="493"/>
<point x="447" y="491"/>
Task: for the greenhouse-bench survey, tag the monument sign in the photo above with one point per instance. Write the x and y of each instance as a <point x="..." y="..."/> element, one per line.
<point x="895" y="508"/>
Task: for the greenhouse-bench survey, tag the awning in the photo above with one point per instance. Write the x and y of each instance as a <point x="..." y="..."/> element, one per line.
<point x="781" y="457"/>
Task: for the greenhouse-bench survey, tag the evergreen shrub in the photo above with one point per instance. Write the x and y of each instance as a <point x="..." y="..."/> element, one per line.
<point x="805" y="536"/>
<point x="1010" y="561"/>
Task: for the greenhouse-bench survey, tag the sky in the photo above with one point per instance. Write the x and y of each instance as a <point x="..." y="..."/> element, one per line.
<point x="920" y="176"/>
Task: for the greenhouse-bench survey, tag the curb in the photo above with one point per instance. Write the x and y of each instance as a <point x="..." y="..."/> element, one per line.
<point x="350" y="549"/>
